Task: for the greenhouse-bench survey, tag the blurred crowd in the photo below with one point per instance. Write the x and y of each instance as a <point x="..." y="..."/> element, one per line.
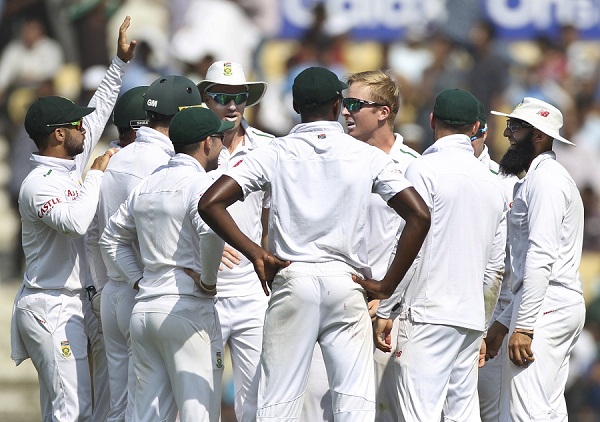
<point x="64" y="46"/>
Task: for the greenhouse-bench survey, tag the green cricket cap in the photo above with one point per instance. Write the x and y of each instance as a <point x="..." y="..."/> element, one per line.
<point x="194" y="124"/>
<point x="481" y="116"/>
<point x="316" y="85"/>
<point x="168" y="94"/>
<point x="129" y="110"/>
<point x="456" y="107"/>
<point x="47" y="112"/>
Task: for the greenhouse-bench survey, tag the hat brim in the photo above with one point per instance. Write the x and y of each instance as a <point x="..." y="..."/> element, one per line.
<point x="256" y="90"/>
<point x="225" y="126"/>
<point x="77" y="114"/>
<point x="552" y="133"/>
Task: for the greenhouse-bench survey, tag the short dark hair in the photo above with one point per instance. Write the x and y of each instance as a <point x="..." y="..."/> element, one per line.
<point x="188" y="149"/>
<point x="157" y="119"/>
<point x="461" y="129"/>
<point x="316" y="111"/>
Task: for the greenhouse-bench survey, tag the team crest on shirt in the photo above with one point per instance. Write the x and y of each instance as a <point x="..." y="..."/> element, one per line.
<point x="65" y="349"/>
<point x="321" y="136"/>
<point x="227" y="69"/>
<point x="219" y="360"/>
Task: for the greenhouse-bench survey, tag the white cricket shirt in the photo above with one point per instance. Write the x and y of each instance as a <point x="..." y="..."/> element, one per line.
<point x="320" y="180"/>
<point x="242" y="280"/>
<point x="161" y="214"/>
<point x="545" y="226"/>
<point x="467" y="203"/>
<point x="57" y="208"/>
<point x="151" y="150"/>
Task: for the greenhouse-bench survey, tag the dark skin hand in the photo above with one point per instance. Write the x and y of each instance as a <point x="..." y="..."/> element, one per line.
<point x="411" y="207"/>
<point x="212" y="208"/>
<point x="493" y="341"/>
<point x="519" y="348"/>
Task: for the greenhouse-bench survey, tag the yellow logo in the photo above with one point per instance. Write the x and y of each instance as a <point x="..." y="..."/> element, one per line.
<point x="227" y="70"/>
<point x="65" y="349"/>
<point x="219" y="360"/>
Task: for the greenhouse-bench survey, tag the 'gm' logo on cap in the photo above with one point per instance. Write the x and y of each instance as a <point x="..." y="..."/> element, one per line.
<point x="152" y="103"/>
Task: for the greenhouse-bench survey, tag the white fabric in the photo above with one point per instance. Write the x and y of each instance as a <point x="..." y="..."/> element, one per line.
<point x="467" y="204"/>
<point x="57" y="208"/>
<point x="442" y="326"/>
<point x="178" y="358"/>
<point x="242" y="279"/>
<point x="491" y="374"/>
<point x="546" y="235"/>
<point x="536" y="393"/>
<point x="436" y="367"/>
<point x="341" y="322"/>
<point x="162" y="214"/>
<point x="242" y="319"/>
<point x="317" y="164"/>
<point x="151" y="150"/>
<point x="545" y="239"/>
<point x="118" y="299"/>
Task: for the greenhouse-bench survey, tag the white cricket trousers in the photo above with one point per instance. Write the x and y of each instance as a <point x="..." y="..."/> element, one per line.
<point x="178" y="359"/>
<point x="54" y="329"/>
<point x="536" y="392"/>
<point x="117" y="301"/>
<point x="436" y="368"/>
<point x="313" y="302"/>
<point x="388" y="405"/>
<point x="242" y="319"/>
<point x="489" y="383"/>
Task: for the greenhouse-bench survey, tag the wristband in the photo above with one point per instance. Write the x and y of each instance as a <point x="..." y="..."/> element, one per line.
<point x="530" y="335"/>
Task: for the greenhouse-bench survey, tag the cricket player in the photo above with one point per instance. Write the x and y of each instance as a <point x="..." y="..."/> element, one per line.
<point x="240" y="300"/>
<point x="545" y="226"/>
<point x="370" y="108"/>
<point x="151" y="149"/>
<point x="443" y="315"/>
<point x="321" y="181"/>
<point x="175" y="333"/>
<point x="52" y="317"/>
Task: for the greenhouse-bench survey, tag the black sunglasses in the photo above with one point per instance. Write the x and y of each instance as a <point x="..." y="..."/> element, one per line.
<point x="225" y="99"/>
<point x="355" y="104"/>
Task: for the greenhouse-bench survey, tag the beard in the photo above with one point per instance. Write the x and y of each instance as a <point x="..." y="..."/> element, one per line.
<point x="517" y="159"/>
<point x="73" y="147"/>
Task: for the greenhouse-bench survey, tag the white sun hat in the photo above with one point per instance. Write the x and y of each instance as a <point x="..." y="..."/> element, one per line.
<point x="541" y="115"/>
<point x="231" y="73"/>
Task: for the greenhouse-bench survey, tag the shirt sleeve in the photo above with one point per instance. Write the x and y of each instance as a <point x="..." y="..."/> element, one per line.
<point x="57" y="208"/>
<point x="494" y="271"/>
<point x="104" y="100"/>
<point x="547" y="201"/>
<point x="116" y="243"/>
<point x="211" y="245"/>
<point x="252" y="174"/>
<point x="389" y="180"/>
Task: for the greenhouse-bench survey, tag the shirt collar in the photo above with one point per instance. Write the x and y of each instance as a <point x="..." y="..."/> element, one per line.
<point x="63" y="164"/>
<point x="456" y="142"/>
<point x="322" y="125"/>
<point x="186" y="160"/>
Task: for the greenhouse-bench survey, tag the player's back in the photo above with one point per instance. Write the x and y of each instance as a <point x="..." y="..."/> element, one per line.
<point x="467" y="202"/>
<point x="320" y="180"/>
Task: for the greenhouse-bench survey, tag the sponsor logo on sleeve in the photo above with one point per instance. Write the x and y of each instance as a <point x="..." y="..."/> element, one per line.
<point x="47" y="207"/>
